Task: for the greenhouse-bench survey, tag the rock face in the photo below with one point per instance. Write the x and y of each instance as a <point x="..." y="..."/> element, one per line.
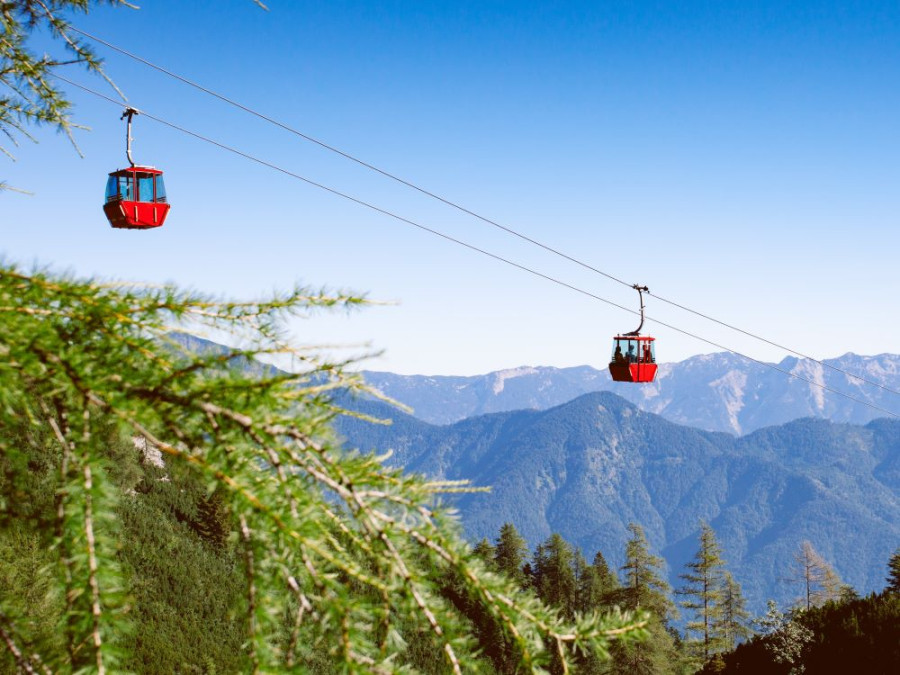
<point x="716" y="392"/>
<point x="150" y="454"/>
<point x="587" y="468"/>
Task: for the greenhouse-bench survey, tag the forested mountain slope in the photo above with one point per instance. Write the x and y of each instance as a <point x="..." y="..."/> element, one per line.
<point x="587" y="468"/>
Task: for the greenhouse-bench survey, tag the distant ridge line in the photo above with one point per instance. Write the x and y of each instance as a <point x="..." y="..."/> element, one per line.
<point x="715" y="392"/>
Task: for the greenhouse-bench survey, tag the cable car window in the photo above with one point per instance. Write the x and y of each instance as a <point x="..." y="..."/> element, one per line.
<point x="626" y="351"/>
<point x="630" y="348"/>
<point x="145" y="188"/>
<point x="126" y="191"/>
<point x="112" y="188"/>
<point x="160" y="189"/>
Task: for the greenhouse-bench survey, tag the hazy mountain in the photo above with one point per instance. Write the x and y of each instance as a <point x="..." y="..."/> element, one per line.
<point x="717" y="392"/>
<point x="590" y="466"/>
<point x="587" y="468"/>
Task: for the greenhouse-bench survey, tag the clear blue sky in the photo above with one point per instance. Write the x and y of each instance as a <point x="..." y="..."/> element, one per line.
<point x="740" y="158"/>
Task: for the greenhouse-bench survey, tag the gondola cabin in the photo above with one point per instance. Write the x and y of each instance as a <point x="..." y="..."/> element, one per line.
<point x="136" y="198"/>
<point x="633" y="359"/>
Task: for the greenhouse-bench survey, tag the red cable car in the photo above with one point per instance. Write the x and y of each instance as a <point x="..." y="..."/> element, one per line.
<point x="637" y="361"/>
<point x="135" y="197"/>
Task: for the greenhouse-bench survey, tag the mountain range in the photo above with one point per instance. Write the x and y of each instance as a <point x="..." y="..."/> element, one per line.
<point x="715" y="392"/>
<point x="588" y="467"/>
<point x="810" y="465"/>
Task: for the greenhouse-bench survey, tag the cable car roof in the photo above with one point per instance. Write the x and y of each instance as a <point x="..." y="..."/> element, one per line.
<point x="138" y="169"/>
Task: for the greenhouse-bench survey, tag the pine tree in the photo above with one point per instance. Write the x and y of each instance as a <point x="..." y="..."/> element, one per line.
<point x="893" y="577"/>
<point x="509" y="553"/>
<point x="704" y="592"/>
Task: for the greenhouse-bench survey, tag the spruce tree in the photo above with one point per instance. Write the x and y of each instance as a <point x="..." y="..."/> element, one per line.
<point x="509" y="554"/>
<point x="643" y="585"/>
<point x="893" y="577"/>
<point x="607" y="580"/>
<point x="484" y="551"/>
<point x="553" y="566"/>
<point x="586" y="586"/>
<point x="596" y="584"/>
<point x="703" y="592"/>
<point x="644" y="588"/>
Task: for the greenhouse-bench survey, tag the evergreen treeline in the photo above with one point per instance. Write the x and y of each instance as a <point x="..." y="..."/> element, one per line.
<point x="828" y="630"/>
<point x="859" y="635"/>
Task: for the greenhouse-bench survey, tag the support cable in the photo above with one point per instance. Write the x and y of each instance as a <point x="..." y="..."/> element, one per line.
<point x="472" y="247"/>
<point x="467" y="211"/>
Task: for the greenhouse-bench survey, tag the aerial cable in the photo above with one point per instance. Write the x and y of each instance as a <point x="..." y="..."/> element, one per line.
<point x="472" y="247"/>
<point x="469" y="212"/>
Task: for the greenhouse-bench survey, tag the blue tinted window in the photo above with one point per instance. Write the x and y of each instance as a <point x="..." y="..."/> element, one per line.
<point x="160" y="189"/>
<point x="112" y="188"/>
<point x="145" y="188"/>
<point x="126" y="188"/>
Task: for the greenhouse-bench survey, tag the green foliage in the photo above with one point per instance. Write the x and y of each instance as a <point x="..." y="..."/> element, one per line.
<point x="31" y="606"/>
<point x="734" y="620"/>
<point x="855" y="636"/>
<point x="32" y="96"/>
<point x="893" y="577"/>
<point x="589" y="467"/>
<point x="553" y="574"/>
<point x="784" y="638"/>
<point x="328" y="559"/>
<point x="177" y="585"/>
<point x="510" y="552"/>
<point x="186" y="587"/>
<point x="844" y="635"/>
<point x="602" y="585"/>
<point x="484" y="551"/>
<point x="644" y="585"/>
<point x="704" y="593"/>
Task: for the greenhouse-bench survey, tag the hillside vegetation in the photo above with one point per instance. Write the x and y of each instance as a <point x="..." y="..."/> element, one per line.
<point x="588" y="468"/>
<point x="829" y="630"/>
<point x="261" y="546"/>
